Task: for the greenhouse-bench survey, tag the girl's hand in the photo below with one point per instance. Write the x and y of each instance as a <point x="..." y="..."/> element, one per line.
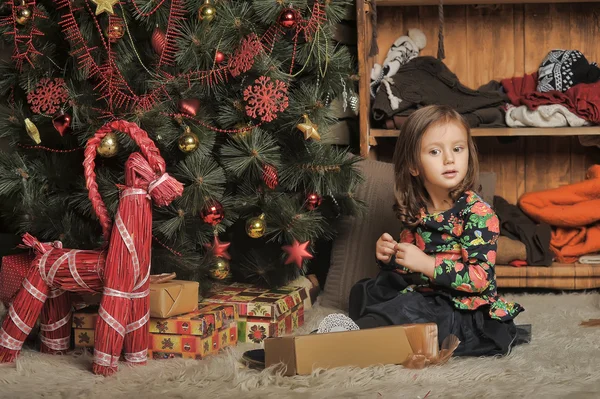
<point x="385" y="247"/>
<point x="411" y="257"/>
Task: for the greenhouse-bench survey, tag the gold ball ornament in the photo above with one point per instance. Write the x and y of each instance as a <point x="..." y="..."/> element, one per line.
<point x="256" y="226"/>
<point x="207" y="11"/>
<point x="220" y="269"/>
<point x="23" y="16"/>
<point x="243" y="129"/>
<point x="109" y="146"/>
<point x="188" y="142"/>
<point x="115" y="31"/>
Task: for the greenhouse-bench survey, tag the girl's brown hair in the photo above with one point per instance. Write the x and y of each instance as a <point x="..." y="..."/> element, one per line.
<point x="409" y="190"/>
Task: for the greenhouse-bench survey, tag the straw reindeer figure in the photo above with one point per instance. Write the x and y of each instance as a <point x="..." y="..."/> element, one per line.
<point x="120" y="273"/>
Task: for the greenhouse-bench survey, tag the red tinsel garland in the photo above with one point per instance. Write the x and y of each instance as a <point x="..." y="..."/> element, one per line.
<point x="24" y="48"/>
<point x="116" y="90"/>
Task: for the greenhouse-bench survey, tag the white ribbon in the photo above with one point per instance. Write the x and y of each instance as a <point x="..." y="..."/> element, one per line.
<point x="57" y="344"/>
<point x="37" y="294"/>
<point x="42" y="265"/>
<point x="75" y="273"/>
<point x="111" y="321"/>
<point x="104" y="359"/>
<point x="55" y="293"/>
<point x="138" y="324"/>
<point x="126" y="295"/>
<point x="17" y="320"/>
<point x="55" y="326"/>
<point x="137" y="357"/>
<point x="141" y="283"/>
<point x="133" y="191"/>
<point x="157" y="182"/>
<point x="9" y="342"/>
<point x="54" y="268"/>
<point x="129" y="244"/>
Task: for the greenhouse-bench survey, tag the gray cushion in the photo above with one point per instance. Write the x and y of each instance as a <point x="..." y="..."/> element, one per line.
<point x="353" y="252"/>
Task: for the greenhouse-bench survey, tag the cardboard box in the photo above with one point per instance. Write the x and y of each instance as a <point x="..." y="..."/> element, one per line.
<point x="385" y="345"/>
<point x="264" y="312"/>
<point x="173" y="298"/>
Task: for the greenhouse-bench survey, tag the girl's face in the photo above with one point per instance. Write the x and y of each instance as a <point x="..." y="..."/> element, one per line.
<point x="444" y="156"/>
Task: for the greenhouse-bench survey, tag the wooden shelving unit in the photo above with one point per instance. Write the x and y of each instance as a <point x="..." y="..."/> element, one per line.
<point x="560" y="276"/>
<point x="505" y="132"/>
<point x="491" y="39"/>
<point x="368" y="136"/>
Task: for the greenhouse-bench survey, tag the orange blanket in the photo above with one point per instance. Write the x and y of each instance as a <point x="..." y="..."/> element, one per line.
<point x="574" y="213"/>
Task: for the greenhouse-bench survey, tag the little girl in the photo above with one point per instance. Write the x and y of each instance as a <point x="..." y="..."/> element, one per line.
<point x="442" y="269"/>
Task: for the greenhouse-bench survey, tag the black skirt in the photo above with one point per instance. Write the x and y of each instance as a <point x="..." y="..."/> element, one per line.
<point x="379" y="302"/>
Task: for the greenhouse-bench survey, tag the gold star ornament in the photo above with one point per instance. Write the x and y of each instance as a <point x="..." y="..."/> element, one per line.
<point x="105" y="5"/>
<point x="309" y="129"/>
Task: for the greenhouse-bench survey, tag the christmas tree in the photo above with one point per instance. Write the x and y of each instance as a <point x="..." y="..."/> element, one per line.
<point x="235" y="94"/>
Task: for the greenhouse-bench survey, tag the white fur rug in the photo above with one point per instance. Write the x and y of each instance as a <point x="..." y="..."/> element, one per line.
<point x="563" y="361"/>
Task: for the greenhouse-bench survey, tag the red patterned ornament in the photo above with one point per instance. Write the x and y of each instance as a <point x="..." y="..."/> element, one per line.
<point x="159" y="41"/>
<point x="189" y="106"/>
<point x="270" y="176"/>
<point x="219" y="249"/>
<point x="48" y="96"/>
<point x="219" y="57"/>
<point x="313" y="200"/>
<point x="243" y="59"/>
<point x="266" y="98"/>
<point x="213" y="213"/>
<point x="288" y="18"/>
<point x="61" y="122"/>
<point x="297" y="253"/>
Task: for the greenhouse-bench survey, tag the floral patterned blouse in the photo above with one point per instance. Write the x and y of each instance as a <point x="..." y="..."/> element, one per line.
<point x="463" y="241"/>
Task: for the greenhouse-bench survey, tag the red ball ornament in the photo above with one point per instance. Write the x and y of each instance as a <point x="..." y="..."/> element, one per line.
<point x="219" y="57"/>
<point x="61" y="122"/>
<point x="213" y="213"/>
<point x="189" y="106"/>
<point x="313" y="200"/>
<point x="159" y="41"/>
<point x="288" y="18"/>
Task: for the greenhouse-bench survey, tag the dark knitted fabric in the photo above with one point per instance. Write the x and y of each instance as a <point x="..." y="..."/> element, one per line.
<point x="562" y="69"/>
<point x="426" y="81"/>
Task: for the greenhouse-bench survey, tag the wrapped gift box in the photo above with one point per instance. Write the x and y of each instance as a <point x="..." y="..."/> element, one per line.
<point x="202" y="322"/>
<point x="165" y="346"/>
<point x="195" y="335"/>
<point x="263" y="312"/>
<point x="13" y="270"/>
<point x="173" y="298"/>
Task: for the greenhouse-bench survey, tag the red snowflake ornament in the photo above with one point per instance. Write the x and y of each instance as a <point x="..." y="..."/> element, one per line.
<point x="243" y="59"/>
<point x="48" y="96"/>
<point x="266" y="98"/>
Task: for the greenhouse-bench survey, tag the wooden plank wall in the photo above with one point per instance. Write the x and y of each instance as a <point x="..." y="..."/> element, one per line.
<point x="485" y="42"/>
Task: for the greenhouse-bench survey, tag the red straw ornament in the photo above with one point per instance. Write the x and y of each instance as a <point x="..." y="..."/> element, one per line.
<point x="121" y="273"/>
